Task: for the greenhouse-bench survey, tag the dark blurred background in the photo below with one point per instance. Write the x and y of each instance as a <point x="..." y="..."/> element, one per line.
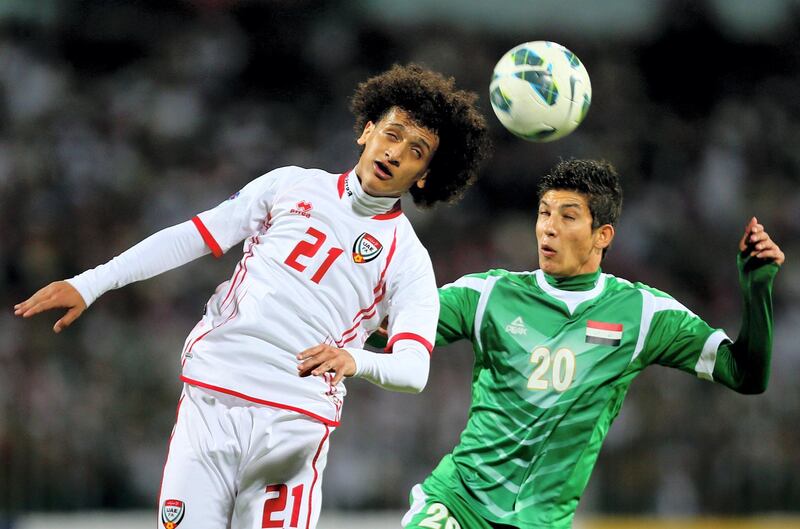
<point x="119" y="118"/>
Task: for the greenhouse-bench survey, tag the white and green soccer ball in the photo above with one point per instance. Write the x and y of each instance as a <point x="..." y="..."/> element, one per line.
<point x="540" y="91"/>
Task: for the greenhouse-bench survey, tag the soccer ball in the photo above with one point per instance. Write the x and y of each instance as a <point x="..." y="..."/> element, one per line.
<point x="540" y="91"/>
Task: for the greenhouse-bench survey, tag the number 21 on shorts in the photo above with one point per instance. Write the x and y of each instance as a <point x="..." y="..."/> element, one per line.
<point x="274" y="515"/>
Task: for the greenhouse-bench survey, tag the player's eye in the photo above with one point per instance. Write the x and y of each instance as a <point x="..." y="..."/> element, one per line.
<point x="417" y="153"/>
<point x="543" y="213"/>
<point x="392" y="135"/>
<point x="569" y="217"/>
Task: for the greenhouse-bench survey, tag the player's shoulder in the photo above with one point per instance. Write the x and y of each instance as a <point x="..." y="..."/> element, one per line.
<point x="295" y="173"/>
<point x="623" y="285"/>
<point x="479" y="281"/>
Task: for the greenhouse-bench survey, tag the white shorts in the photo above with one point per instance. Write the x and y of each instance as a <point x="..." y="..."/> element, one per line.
<point x="234" y="464"/>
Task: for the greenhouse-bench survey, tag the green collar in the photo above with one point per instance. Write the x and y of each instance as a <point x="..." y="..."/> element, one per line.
<point x="574" y="283"/>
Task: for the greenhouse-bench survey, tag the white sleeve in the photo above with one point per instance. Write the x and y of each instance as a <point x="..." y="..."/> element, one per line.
<point x="405" y="369"/>
<point x="243" y="214"/>
<point x="413" y="300"/>
<point x="162" y="251"/>
<point x="413" y="314"/>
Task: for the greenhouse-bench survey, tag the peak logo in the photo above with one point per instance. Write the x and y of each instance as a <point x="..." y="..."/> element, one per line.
<point x="517" y="327"/>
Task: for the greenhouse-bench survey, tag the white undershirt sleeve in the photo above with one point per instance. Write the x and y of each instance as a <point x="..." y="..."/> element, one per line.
<point x="162" y="251"/>
<point x="404" y="369"/>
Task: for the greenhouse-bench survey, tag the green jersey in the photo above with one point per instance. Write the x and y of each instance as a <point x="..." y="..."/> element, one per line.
<point x="553" y="362"/>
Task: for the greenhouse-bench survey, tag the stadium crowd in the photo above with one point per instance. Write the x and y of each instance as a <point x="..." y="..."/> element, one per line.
<point x="119" y="119"/>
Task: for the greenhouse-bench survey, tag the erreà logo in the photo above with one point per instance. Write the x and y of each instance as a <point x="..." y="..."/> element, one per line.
<point x="366" y="248"/>
<point x="172" y="513"/>
<point x="302" y="208"/>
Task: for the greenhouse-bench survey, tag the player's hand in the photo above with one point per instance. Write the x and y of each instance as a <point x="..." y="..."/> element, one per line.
<point x="54" y="296"/>
<point x="757" y="243"/>
<point x="325" y="358"/>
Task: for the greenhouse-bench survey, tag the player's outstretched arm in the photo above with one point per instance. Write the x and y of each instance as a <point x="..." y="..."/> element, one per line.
<point x="165" y="250"/>
<point x="57" y="295"/>
<point x="745" y="364"/>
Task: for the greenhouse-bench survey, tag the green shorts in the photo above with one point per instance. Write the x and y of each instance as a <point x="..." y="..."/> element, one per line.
<point x="437" y="507"/>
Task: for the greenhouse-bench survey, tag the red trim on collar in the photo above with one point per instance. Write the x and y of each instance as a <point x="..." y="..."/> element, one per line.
<point x="340" y="183"/>
<point x="396" y="211"/>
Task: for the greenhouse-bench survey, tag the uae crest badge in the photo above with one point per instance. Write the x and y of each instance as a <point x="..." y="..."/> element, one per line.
<point x="172" y="513"/>
<point x="366" y="248"/>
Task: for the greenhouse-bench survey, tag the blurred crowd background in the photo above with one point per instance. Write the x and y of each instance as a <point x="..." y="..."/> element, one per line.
<point x="119" y="118"/>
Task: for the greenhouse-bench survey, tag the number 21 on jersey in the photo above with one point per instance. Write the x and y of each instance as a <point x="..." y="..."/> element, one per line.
<point x="309" y="250"/>
<point x="556" y="370"/>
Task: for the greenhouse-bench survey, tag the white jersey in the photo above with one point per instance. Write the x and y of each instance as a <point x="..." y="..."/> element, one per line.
<point x="323" y="263"/>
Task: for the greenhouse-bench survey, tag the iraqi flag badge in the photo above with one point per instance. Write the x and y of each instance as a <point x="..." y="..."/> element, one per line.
<point x="602" y="333"/>
<point x="366" y="248"/>
<point x="172" y="513"/>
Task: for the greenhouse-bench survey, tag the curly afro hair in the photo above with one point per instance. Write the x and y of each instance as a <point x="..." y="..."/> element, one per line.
<point x="597" y="179"/>
<point x="433" y="102"/>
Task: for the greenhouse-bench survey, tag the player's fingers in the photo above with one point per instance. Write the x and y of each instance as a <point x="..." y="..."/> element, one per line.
<point x="758" y="236"/>
<point x="22" y="307"/>
<point x="323" y="368"/>
<point x="66" y="320"/>
<point x="44" y="303"/>
<point x="773" y="254"/>
<point x="311" y="351"/>
<point x="748" y="230"/>
<point x="307" y="365"/>
<point x="337" y="377"/>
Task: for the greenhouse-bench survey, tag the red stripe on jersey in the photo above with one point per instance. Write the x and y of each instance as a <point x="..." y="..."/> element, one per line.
<point x="189" y="349"/>
<point x="242" y="268"/>
<point x="340" y="183"/>
<point x="395" y="212"/>
<point x="604" y="326"/>
<point x="207" y="237"/>
<point x="388" y="261"/>
<point x="356" y="318"/>
<point x="379" y="291"/>
<point x="258" y="401"/>
<point x="316" y="474"/>
<point x="408" y="336"/>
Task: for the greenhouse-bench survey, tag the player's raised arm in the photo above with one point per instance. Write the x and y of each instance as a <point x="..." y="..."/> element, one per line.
<point x="744" y="365"/>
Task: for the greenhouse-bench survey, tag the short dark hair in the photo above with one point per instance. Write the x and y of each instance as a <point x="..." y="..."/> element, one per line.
<point x="597" y="179"/>
<point x="433" y="102"/>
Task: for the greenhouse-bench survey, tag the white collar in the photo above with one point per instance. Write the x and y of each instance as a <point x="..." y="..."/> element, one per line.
<point x="570" y="298"/>
<point x="364" y="203"/>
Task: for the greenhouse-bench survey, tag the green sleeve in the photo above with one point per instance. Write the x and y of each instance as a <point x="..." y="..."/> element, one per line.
<point x="744" y="365"/>
<point x="679" y="338"/>
<point x="457" y="304"/>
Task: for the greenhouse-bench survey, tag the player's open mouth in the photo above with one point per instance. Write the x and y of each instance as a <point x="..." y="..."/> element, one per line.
<point x="547" y="251"/>
<point x="381" y="171"/>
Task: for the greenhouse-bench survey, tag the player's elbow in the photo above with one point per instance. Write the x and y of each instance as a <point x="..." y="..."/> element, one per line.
<point x="418" y="386"/>
<point x="754" y="388"/>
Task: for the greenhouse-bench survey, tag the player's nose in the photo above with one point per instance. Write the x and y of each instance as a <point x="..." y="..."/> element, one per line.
<point x="391" y="157"/>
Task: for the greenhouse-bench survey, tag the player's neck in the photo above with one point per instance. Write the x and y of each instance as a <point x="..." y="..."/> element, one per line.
<point x="574" y="283"/>
<point x="363" y="202"/>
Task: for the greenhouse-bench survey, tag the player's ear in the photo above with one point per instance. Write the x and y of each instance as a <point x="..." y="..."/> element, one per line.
<point x="603" y="236"/>
<point x="362" y="140"/>
<point x="421" y="181"/>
